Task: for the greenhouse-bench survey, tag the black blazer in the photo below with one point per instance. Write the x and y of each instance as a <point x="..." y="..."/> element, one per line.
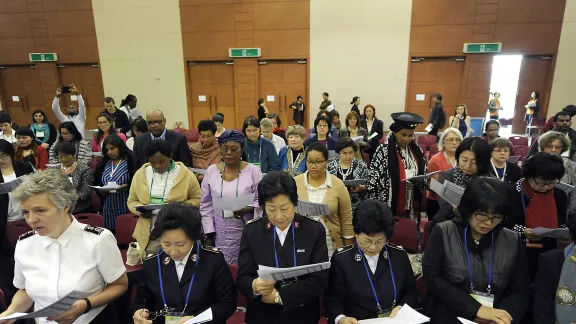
<point x="547" y="278"/>
<point x="301" y="299"/>
<point x="377" y="127"/>
<point x="213" y="286"/>
<point x="180" y="149"/>
<point x="121" y="120"/>
<point x="513" y="173"/>
<point x="349" y="292"/>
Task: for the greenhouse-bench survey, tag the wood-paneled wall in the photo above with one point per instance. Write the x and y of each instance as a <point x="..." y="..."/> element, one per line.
<point x="281" y="28"/>
<point x="440" y="28"/>
<point x="65" y="27"/>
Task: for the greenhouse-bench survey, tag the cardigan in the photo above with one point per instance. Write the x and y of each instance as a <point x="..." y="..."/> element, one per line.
<point x="330" y="142"/>
<point x="185" y="189"/>
<point x="339" y="223"/>
<point x="83" y="153"/>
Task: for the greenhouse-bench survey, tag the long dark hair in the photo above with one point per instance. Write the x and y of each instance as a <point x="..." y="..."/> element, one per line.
<point x="77" y="137"/>
<point x="42" y="112"/>
<point x="112" y="130"/>
<point x="125" y="101"/>
<point x="125" y="153"/>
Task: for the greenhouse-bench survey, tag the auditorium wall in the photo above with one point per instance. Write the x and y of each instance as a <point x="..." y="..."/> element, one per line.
<point x="563" y="86"/>
<point x="140" y="43"/>
<point x="359" y="48"/>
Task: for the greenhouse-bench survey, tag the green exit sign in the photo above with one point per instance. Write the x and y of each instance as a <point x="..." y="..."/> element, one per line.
<point x="244" y="52"/>
<point x="43" y="57"/>
<point x="482" y="47"/>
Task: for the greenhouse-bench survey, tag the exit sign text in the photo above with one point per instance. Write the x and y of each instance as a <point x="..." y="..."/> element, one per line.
<point x="482" y="47"/>
<point x="43" y="57"/>
<point x="244" y="52"/>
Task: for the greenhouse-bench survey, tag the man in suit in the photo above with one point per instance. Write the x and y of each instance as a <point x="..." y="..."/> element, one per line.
<point x="437" y="117"/>
<point x="157" y="130"/>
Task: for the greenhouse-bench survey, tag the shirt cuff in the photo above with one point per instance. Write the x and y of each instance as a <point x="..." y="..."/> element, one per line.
<point x="338" y="318"/>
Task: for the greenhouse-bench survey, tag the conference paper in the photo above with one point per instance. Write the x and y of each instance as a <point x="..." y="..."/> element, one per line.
<point x="465" y="321"/>
<point x="406" y="315"/>
<point x="56" y="308"/>
<point x="111" y="186"/>
<point x="357" y="138"/>
<point x="513" y="159"/>
<point x="312" y="209"/>
<point x="354" y="183"/>
<point x="422" y="177"/>
<point x="199" y="171"/>
<point x="205" y="316"/>
<point x="278" y="274"/>
<point x="97" y="154"/>
<point x="565" y="187"/>
<point x="373" y="135"/>
<point x="233" y="203"/>
<point x="152" y="207"/>
<point x="449" y="191"/>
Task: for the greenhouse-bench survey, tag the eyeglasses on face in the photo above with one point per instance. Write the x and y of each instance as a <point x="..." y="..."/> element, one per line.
<point x="452" y="140"/>
<point x="546" y="183"/>
<point x="4" y="157"/>
<point x="226" y="149"/>
<point x="315" y="163"/>
<point x="372" y="243"/>
<point x="484" y="218"/>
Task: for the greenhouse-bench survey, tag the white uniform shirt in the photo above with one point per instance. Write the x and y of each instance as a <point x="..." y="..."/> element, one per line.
<point x="80" y="259"/>
<point x="278" y="142"/>
<point x="10" y="138"/>
<point x="282" y="234"/>
<point x="78" y="120"/>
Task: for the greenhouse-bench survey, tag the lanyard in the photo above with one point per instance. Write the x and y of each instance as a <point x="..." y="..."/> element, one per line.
<point x="293" y="242"/>
<point x="191" y="280"/>
<point x="116" y="168"/>
<point x="570" y="248"/>
<point x="523" y="199"/>
<point x="470" y="264"/>
<point x="496" y="171"/>
<point x="372" y="284"/>
<point x="259" y="155"/>
<point x="165" y="183"/>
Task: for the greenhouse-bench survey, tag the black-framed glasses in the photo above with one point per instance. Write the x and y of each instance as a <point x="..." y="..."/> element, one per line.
<point x="546" y="183"/>
<point x="163" y="312"/>
<point x="315" y="163"/>
<point x="226" y="149"/>
<point x="484" y="218"/>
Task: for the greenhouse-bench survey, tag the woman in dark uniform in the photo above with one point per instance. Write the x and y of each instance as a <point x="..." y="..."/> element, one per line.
<point x="281" y="239"/>
<point x="372" y="278"/>
<point x="193" y="278"/>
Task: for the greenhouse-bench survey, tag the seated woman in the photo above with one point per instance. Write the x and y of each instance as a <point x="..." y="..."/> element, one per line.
<point x="259" y="151"/>
<point x="322" y="125"/>
<point x="80" y="175"/>
<point x="473" y="157"/>
<point x="10" y="171"/>
<point x="557" y="143"/>
<point x="28" y="151"/>
<point x="295" y="240"/>
<point x="139" y="127"/>
<point x="159" y="181"/>
<point x="536" y="203"/>
<point x="230" y="178"/>
<point x="116" y="166"/>
<point x="491" y="130"/>
<point x="105" y="128"/>
<point x="44" y="132"/>
<point x="61" y="255"/>
<point x="333" y="131"/>
<point x="206" y="151"/>
<point x="347" y="167"/>
<point x="184" y="276"/>
<point x="444" y="160"/>
<point x="353" y="129"/>
<point x="397" y="159"/>
<point x="69" y="133"/>
<point x="555" y="288"/>
<point x="359" y="287"/>
<point x="292" y="158"/>
<point x="317" y="185"/>
<point x="266" y="131"/>
<point x="508" y="172"/>
<point x="276" y="123"/>
<point x="461" y="120"/>
<point x="473" y="267"/>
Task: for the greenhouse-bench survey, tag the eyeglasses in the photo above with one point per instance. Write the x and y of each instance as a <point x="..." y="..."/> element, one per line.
<point x="322" y="126"/>
<point x="103" y="123"/>
<point x="4" y="157"/>
<point x="164" y="312"/>
<point x="315" y="163"/>
<point x="226" y="149"/>
<point x="452" y="140"/>
<point x="484" y="218"/>
<point x="206" y="136"/>
<point x="546" y="183"/>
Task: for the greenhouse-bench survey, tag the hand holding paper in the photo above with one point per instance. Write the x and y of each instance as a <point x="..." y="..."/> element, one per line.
<point x="428" y="128"/>
<point x="148" y="208"/>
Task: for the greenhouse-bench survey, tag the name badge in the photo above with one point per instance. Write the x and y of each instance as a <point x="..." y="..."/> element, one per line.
<point x="173" y="318"/>
<point x="411" y="173"/>
<point x="227" y="214"/>
<point x="156" y="200"/>
<point x="483" y="298"/>
<point x="39" y="134"/>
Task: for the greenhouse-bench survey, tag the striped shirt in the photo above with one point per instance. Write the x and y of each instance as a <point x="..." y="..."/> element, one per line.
<point x="115" y="203"/>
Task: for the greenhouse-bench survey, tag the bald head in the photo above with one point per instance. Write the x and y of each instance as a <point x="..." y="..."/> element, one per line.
<point x="156" y="122"/>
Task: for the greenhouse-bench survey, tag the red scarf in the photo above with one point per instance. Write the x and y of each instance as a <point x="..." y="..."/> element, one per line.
<point x="541" y="212"/>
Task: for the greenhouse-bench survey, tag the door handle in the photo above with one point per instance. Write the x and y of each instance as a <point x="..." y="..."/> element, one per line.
<point x="216" y="101"/>
<point x="210" y="101"/>
<point x="280" y="101"/>
<point x="285" y="101"/>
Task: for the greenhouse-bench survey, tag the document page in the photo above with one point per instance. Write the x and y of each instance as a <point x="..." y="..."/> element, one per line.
<point x="270" y="273"/>
<point x="233" y="203"/>
<point x="54" y="309"/>
<point x="312" y="209"/>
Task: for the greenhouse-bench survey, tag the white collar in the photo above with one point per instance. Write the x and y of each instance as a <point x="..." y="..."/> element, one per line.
<point x="66" y="236"/>
<point x="285" y="231"/>
<point x="327" y="182"/>
<point x="186" y="257"/>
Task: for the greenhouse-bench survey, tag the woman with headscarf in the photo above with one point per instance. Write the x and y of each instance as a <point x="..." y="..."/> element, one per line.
<point x="28" y="150"/>
<point x="232" y="178"/>
<point x="398" y="159"/>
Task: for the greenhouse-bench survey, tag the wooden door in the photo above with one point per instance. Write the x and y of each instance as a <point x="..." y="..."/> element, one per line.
<point x="88" y="80"/>
<point x="21" y="92"/>
<point x="535" y="75"/>
<point x="294" y="75"/>
<point x="212" y="91"/>
<point x="434" y="75"/>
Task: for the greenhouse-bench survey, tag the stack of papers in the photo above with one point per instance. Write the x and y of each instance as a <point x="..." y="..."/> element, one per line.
<point x="513" y="159"/>
<point x="354" y="183"/>
<point x="112" y="186"/>
<point x="11" y="185"/>
<point x="422" y="177"/>
<point x="205" y="316"/>
<point x="53" y="165"/>
<point x="199" y="171"/>
<point x="465" y="321"/>
<point x="448" y="191"/>
<point x="97" y="154"/>
<point x="233" y="203"/>
<point x="357" y="138"/>
<point x="566" y="187"/>
<point x="312" y="209"/>
<point x="277" y="274"/>
<point x="146" y="208"/>
<point x="561" y="233"/>
<point x="406" y="315"/>
<point x="54" y="309"/>
<point x="373" y="135"/>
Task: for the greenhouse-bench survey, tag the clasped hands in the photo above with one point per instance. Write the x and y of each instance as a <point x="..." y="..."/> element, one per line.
<point x="264" y="288"/>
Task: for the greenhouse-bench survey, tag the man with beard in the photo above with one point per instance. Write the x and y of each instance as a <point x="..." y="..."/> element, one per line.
<point x="74" y="114"/>
<point x="562" y="124"/>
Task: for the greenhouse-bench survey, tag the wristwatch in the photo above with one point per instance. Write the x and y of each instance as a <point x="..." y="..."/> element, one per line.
<point x="88" y="306"/>
<point x="277" y="299"/>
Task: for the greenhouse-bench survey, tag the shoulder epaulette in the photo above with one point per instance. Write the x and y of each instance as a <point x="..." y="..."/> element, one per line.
<point x="26" y="235"/>
<point x="253" y="220"/>
<point x="210" y="249"/>
<point x="345" y="249"/>
<point x="152" y="255"/>
<point x="93" y="229"/>
<point x="394" y="246"/>
<point x="312" y="218"/>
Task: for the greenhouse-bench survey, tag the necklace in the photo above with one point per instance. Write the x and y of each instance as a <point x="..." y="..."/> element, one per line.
<point x="293" y="165"/>
<point x="452" y="162"/>
<point x="345" y="174"/>
<point x="67" y="170"/>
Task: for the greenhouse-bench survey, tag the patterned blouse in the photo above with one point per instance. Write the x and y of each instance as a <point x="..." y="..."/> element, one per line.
<point x="358" y="170"/>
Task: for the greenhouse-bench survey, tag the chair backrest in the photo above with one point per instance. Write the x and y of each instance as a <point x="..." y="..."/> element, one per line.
<point x="96" y="203"/>
<point x="15" y="229"/>
<point x="192" y="136"/>
<point x="521" y="150"/>
<point x="539" y="122"/>
<point x="425" y="235"/>
<point x="366" y="158"/>
<point x="406" y="234"/>
<point x="505" y="122"/>
<point x="421" y="286"/>
<point x="90" y="219"/>
<point x="125" y="225"/>
<point x="433" y="149"/>
<point x="426" y="139"/>
<point x="518" y="140"/>
<point x="241" y="299"/>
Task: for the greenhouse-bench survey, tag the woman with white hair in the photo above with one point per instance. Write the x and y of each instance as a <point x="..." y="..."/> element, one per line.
<point x="445" y="159"/>
<point x="266" y="128"/>
<point x="61" y="255"/>
<point x="557" y="143"/>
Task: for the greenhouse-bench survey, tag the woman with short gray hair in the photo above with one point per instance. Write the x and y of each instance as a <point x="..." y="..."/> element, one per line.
<point x="61" y="251"/>
<point x="266" y="128"/>
<point x="556" y="143"/>
<point x="292" y="158"/>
